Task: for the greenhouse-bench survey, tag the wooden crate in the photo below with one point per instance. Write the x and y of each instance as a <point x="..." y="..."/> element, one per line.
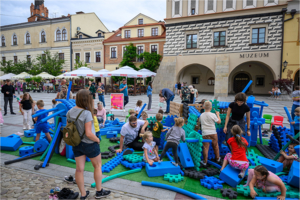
<point x="176" y="109"/>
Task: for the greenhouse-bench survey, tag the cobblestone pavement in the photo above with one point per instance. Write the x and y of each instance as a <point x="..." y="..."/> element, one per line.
<point x="22" y="184"/>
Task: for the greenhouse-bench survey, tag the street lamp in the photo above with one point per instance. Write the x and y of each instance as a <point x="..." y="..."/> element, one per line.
<point x="284" y="65"/>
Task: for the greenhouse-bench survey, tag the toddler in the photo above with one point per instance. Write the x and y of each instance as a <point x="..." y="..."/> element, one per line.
<point x="150" y="153"/>
<point x="287" y="160"/>
<point x="27" y="110"/>
<point x="161" y="101"/>
<point x="157" y="129"/>
<point x="144" y="116"/>
<point x="161" y="111"/>
<point x="276" y="92"/>
<point x="138" y="107"/>
<point x="41" y="126"/>
<point x="202" y="103"/>
<point x="263" y="179"/>
<point x="296" y="120"/>
<point x="35" y="108"/>
<point x="96" y="124"/>
<point x="173" y="137"/>
<point x="238" y="146"/>
<point x="209" y="131"/>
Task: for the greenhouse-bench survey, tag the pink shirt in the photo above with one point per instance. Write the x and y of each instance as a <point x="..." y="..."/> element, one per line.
<point x="161" y="99"/>
<point x="101" y="113"/>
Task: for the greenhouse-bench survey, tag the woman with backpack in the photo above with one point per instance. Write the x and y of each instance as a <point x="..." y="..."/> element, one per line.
<point x="82" y="116"/>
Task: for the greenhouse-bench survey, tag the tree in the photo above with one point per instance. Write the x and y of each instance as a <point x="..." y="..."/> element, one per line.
<point x="7" y="66"/>
<point x="49" y="63"/>
<point x="151" y="61"/>
<point x="16" y="68"/>
<point x="285" y="85"/>
<point x="79" y="63"/>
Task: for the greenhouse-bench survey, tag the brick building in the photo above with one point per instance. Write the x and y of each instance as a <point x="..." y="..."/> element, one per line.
<point x="38" y="11"/>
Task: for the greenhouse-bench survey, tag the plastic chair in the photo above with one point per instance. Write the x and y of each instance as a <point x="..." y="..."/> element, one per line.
<point x="268" y="119"/>
<point x="278" y="120"/>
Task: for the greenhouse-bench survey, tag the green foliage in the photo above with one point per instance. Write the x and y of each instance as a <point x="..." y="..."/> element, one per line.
<point x="37" y="79"/>
<point x="28" y="80"/>
<point x="49" y="63"/>
<point x="7" y="66"/>
<point x="151" y="61"/>
<point x="79" y="63"/>
<point x="15" y="68"/>
<point x="129" y="56"/>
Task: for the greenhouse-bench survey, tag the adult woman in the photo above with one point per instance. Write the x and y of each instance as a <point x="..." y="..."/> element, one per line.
<point x="100" y="91"/>
<point x="149" y="94"/>
<point x="89" y="145"/>
<point x="91" y="88"/>
<point x="101" y="114"/>
<point x="178" y="87"/>
<point x="238" y="109"/>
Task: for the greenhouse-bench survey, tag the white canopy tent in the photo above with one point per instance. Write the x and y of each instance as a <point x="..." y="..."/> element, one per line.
<point x="127" y="72"/>
<point x="7" y="76"/>
<point x="103" y="73"/>
<point x="147" y="72"/>
<point x="66" y="77"/>
<point x="23" y="75"/>
<point x="45" y="75"/>
<point x="82" y="71"/>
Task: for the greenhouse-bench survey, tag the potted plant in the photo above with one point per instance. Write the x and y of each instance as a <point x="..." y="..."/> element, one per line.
<point x="28" y="80"/>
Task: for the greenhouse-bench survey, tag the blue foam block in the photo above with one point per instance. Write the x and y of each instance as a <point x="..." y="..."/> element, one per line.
<point x="41" y="145"/>
<point x="185" y="156"/>
<point x="10" y="144"/>
<point x="273" y="198"/>
<point x="13" y="136"/>
<point x="116" y="122"/>
<point x="271" y="165"/>
<point x="87" y="159"/>
<point x="230" y="176"/>
<point x="23" y="151"/>
<point x="297" y="149"/>
<point x="160" y="169"/>
<point x="111" y="134"/>
<point x="29" y="133"/>
<point x="42" y="136"/>
<point x="69" y="152"/>
<point x="293" y="178"/>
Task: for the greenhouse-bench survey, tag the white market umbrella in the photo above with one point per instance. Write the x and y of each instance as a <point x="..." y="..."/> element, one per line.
<point x="103" y="73"/>
<point x="45" y="75"/>
<point x="7" y="76"/>
<point x="128" y="72"/>
<point x="66" y="77"/>
<point x="147" y="72"/>
<point x="22" y="76"/>
<point x="82" y="71"/>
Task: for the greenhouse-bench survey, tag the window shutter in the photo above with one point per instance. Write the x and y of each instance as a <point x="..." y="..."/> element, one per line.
<point x="193" y="4"/>
<point x="210" y="5"/>
<point x="229" y="4"/>
<point x="177" y="5"/>
<point x="249" y="2"/>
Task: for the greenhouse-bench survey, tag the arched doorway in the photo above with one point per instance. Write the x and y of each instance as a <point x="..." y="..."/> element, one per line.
<point x="296" y="79"/>
<point x="240" y="81"/>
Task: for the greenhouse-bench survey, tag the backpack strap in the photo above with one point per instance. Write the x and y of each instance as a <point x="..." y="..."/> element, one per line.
<point x="76" y="121"/>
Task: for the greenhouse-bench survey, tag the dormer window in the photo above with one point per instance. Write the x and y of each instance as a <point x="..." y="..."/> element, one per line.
<point x="99" y="34"/>
<point x="141" y="21"/>
<point x="80" y="36"/>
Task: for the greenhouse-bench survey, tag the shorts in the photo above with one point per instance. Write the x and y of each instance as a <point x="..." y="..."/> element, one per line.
<point x="90" y="150"/>
<point x="42" y="128"/>
<point x="242" y="165"/>
<point x="156" y="140"/>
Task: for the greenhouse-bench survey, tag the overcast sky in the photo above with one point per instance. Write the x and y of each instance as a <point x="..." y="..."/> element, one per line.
<point x="113" y="13"/>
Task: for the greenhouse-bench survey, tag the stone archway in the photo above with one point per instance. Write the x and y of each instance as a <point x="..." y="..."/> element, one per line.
<point x="296" y="78"/>
<point x="240" y="80"/>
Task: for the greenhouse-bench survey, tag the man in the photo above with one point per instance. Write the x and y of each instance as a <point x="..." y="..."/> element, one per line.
<point x="185" y="93"/>
<point x="24" y="87"/>
<point x="169" y="96"/>
<point x="130" y="134"/>
<point x="100" y="90"/>
<point x="63" y="82"/>
<point x="18" y="86"/>
<point x="296" y="100"/>
<point x="64" y="92"/>
<point x="123" y="89"/>
<point x="8" y="91"/>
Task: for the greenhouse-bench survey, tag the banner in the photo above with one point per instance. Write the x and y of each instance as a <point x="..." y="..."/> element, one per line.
<point x="117" y="101"/>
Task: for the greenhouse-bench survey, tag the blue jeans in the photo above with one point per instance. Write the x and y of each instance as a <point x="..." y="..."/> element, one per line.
<point x="276" y="94"/>
<point x="293" y="111"/>
<point x="194" y="100"/>
<point x="126" y="100"/>
<point x="168" y="103"/>
<point x="101" y="98"/>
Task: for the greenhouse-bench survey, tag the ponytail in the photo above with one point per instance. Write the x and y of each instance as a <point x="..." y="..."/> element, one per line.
<point x="145" y="135"/>
<point x="179" y="121"/>
<point x="237" y="132"/>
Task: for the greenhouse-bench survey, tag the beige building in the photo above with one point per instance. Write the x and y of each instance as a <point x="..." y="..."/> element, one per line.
<point x="220" y="45"/>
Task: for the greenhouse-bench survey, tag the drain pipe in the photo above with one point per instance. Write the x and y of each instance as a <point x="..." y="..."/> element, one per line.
<point x="293" y="12"/>
<point x="283" y="14"/>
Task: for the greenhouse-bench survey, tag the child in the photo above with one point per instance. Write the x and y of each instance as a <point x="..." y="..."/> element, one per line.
<point x="131" y="112"/>
<point x="202" y="103"/>
<point x="27" y="110"/>
<point x="144" y="115"/>
<point x="74" y="97"/>
<point x="161" y="101"/>
<point x="54" y="103"/>
<point x="150" y="153"/>
<point x="173" y="137"/>
<point x="41" y="126"/>
<point x="96" y="124"/>
<point x="138" y="107"/>
<point x="161" y="112"/>
<point x="157" y="129"/>
<point x="287" y="160"/>
<point x="260" y="177"/>
<point x="296" y="120"/>
<point x="1" y="118"/>
<point x="238" y="146"/>
<point x="276" y="92"/>
<point x="209" y="131"/>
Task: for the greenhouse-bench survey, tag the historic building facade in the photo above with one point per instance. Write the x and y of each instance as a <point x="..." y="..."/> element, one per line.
<point x="219" y="46"/>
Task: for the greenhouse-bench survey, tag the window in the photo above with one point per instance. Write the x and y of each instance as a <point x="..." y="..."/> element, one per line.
<point x="141" y="21"/>
<point x="193" y="7"/>
<point x="58" y="35"/>
<point x="270" y="2"/>
<point x="28" y="58"/>
<point x="211" y="81"/>
<point x="99" y="35"/>
<point x="229" y="5"/>
<point x="219" y="38"/>
<point x="98" y="56"/>
<point x="64" y="34"/>
<point x="140" y="50"/>
<point x="77" y="57"/>
<point x="258" y="35"/>
<point x="15" y="59"/>
<point x="3" y="59"/>
<point x="153" y="48"/>
<point x="195" y="80"/>
<point x="249" y="3"/>
<point x="27" y="38"/>
<point x="44" y="58"/>
<point x="154" y="31"/>
<point x="43" y="36"/>
<point x="140" y="32"/>
<point x="210" y="6"/>
<point x="3" y="41"/>
<point x="260" y="81"/>
<point x="177" y="8"/>
<point x="127" y="33"/>
<point x="87" y="57"/>
<point x="61" y="56"/>
<point x="113" y="52"/>
<point x="80" y="36"/>
<point x="191" y="41"/>
<point x="15" y="40"/>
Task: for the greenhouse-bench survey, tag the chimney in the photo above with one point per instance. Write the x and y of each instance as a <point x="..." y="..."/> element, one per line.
<point x="80" y="12"/>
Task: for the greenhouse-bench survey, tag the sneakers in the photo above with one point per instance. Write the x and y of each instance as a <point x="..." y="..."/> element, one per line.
<point x="219" y="161"/>
<point x="69" y="179"/>
<point x="102" y="194"/>
<point x="203" y="164"/>
<point x="159" y="161"/>
<point x="13" y="113"/>
<point x="175" y="164"/>
<point x="86" y="196"/>
<point x="24" y="127"/>
<point x="242" y="174"/>
<point x="5" y="114"/>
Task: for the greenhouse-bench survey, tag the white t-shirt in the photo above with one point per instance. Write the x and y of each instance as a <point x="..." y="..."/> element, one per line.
<point x="137" y="109"/>
<point x="150" y="150"/>
<point x="208" y="121"/>
<point x="131" y="133"/>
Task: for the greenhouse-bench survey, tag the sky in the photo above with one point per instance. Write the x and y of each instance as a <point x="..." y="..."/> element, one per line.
<point x="113" y="13"/>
